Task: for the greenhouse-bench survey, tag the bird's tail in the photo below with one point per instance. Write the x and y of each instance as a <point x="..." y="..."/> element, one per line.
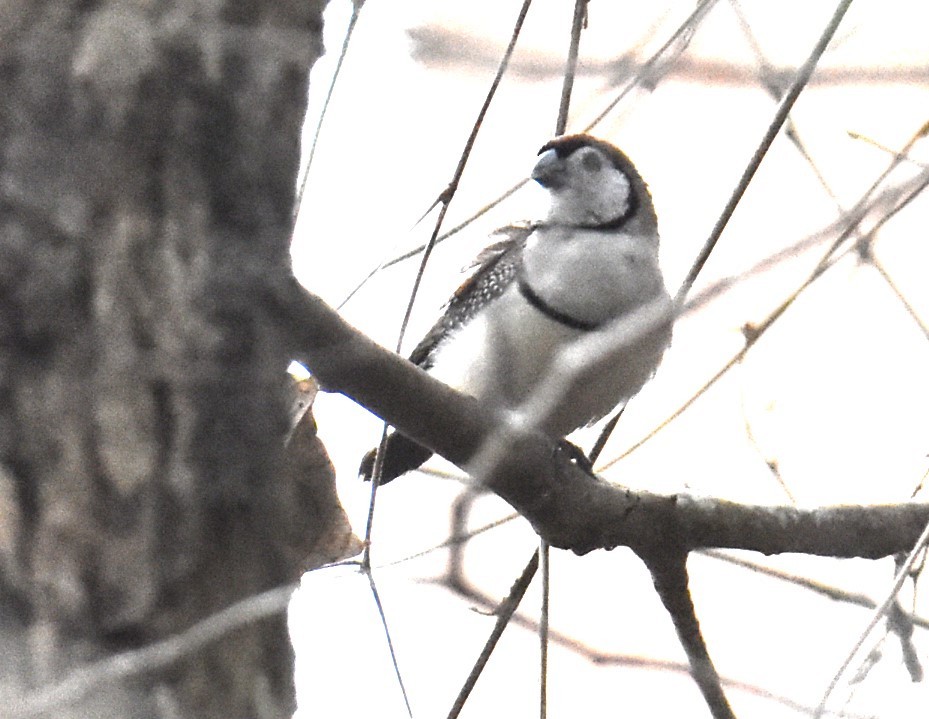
<point x="401" y="454"/>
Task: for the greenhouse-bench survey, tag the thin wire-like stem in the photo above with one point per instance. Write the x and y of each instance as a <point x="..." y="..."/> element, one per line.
<point x="349" y="31"/>
<point x="902" y="573"/>
<point x="800" y="81"/>
<point x="454" y="541"/>
<point x="732" y="362"/>
<point x="774" y="89"/>
<point x="907" y="305"/>
<point x="687" y="27"/>
<point x="445" y="198"/>
<point x="441" y="238"/>
<point x="544" y="557"/>
<point x="567" y="85"/>
<point x="376" y="471"/>
<point x="829" y="259"/>
<point x="857" y="213"/>
<point x="390" y="644"/>
<point x="446" y="195"/>
<point x="680" y="37"/>
<point x="836" y="594"/>
<point x="461" y="225"/>
<point x="122" y="666"/>
<point x="504" y="613"/>
<point x="900" y="155"/>
<point x="646" y="72"/>
<point x="604" y="435"/>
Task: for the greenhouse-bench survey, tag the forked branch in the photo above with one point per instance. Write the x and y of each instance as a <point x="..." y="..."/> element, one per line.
<point x="567" y="506"/>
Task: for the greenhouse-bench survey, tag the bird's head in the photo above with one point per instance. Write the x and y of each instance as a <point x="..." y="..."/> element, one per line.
<point x="592" y="184"/>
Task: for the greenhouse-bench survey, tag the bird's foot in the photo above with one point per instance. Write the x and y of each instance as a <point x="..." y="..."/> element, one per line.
<point x="576" y="455"/>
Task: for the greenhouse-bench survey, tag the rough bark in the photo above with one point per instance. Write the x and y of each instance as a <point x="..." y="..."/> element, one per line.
<point x="149" y="155"/>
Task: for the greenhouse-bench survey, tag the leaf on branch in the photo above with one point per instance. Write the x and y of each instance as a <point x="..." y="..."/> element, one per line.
<point x="307" y="466"/>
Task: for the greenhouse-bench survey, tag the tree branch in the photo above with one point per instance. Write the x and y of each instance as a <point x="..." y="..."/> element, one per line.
<point x="567" y="506"/>
<point x="669" y="574"/>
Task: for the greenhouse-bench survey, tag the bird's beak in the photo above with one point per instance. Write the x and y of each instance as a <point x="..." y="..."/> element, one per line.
<point x="549" y="171"/>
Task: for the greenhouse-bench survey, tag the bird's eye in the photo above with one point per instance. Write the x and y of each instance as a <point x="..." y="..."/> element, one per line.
<point x="591" y="161"/>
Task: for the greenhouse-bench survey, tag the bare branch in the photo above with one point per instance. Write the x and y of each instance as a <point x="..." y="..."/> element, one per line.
<point x="567" y="506"/>
<point x="669" y="574"/>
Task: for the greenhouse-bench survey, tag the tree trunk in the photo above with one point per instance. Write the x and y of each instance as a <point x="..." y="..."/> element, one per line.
<point x="149" y="156"/>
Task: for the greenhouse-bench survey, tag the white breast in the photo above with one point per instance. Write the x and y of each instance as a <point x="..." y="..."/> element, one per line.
<point x="506" y="352"/>
<point x="501" y="354"/>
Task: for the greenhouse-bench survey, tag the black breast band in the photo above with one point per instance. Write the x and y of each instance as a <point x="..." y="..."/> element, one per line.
<point x="551" y="312"/>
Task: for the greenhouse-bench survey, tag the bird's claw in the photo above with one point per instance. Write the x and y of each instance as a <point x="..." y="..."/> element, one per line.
<point x="576" y="455"/>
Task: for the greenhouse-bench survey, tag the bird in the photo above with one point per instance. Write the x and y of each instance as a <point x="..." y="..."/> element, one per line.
<point x="543" y="285"/>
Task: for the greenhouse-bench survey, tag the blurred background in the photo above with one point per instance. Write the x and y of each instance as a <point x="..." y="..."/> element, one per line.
<point x="829" y="406"/>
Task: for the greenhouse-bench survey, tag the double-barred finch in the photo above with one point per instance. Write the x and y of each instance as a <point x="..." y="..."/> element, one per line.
<point x="592" y="260"/>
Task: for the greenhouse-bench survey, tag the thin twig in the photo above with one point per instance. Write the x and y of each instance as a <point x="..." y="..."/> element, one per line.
<point x="377" y="470"/>
<point x="455" y="540"/>
<point x="836" y="594"/>
<point x="829" y="259"/>
<point x="506" y="609"/>
<point x="911" y="311"/>
<point x="800" y="80"/>
<point x="902" y="574"/>
<point x="771" y="464"/>
<point x="356" y="11"/>
<point x="390" y="645"/>
<point x="577" y="24"/>
<point x="900" y="155"/>
<point x="770" y="81"/>
<point x="544" y="557"/>
<point x="646" y="71"/>
<point x="445" y="198"/>
<point x="460" y="226"/>
<point x="598" y="657"/>
<point x="679" y="39"/>
<point x="732" y="362"/>
<point x="567" y="85"/>
<point x="604" y="436"/>
<point x="156" y="656"/>
<point x="790" y="97"/>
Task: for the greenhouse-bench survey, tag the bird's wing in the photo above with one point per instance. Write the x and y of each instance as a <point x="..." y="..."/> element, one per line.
<point x="496" y="269"/>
